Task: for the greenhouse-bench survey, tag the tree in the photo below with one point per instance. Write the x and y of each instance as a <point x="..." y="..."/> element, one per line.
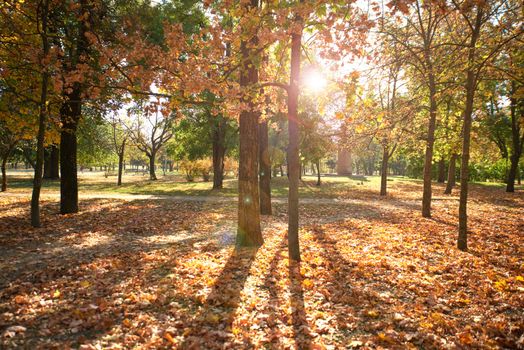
<point x="475" y="18"/>
<point x="120" y="137"/>
<point x="420" y="40"/>
<point x="151" y="128"/>
<point x="248" y="231"/>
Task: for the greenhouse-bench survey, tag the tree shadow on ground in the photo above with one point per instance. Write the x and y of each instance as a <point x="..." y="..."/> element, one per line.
<point x="211" y="326"/>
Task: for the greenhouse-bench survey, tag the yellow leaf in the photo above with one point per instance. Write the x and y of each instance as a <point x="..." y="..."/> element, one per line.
<point x="373" y="313"/>
<point x="170" y="338"/>
<point x="212" y="318"/>
<point x="56" y="294"/>
<point x="307" y="283"/>
<point x="519" y="278"/>
<point x="501" y="285"/>
<point x="85" y="284"/>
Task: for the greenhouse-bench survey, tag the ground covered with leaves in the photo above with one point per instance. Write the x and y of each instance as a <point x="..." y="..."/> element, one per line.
<point x="163" y="273"/>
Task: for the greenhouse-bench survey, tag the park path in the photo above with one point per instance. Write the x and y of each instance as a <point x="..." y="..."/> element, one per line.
<point x="384" y="201"/>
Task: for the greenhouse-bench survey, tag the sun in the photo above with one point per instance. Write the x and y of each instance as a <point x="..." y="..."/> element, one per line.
<point x="314" y="80"/>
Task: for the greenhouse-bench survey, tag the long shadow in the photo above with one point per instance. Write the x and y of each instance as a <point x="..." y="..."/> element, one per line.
<point x="301" y="331"/>
<point x="211" y="326"/>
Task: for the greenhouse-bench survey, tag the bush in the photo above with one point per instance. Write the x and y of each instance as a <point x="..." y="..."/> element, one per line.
<point x="196" y="167"/>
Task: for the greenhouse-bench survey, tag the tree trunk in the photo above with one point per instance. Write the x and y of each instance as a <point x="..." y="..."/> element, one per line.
<point x="152" y="172"/>
<point x="517" y="141"/>
<point x="318" y="172"/>
<point x="293" y="149"/>
<point x="281" y="171"/>
<point x="54" y="163"/>
<point x="441" y="171"/>
<point x="4" y="175"/>
<point x="426" y="195"/>
<point x="248" y="231"/>
<point x="37" y="180"/>
<point x="265" y="169"/>
<point x="47" y="164"/>
<point x="471" y="82"/>
<point x="451" y="173"/>
<point x="70" y="114"/>
<point x="384" y="172"/>
<point x="120" y="167"/>
<point x="219" y="151"/>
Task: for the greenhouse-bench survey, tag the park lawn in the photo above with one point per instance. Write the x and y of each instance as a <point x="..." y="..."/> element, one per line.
<point x="175" y="185"/>
<point x="160" y="273"/>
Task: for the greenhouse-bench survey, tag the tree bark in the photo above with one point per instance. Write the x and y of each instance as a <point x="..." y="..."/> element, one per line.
<point x="384" y="172"/>
<point x="152" y="170"/>
<point x="248" y="231"/>
<point x="70" y="114"/>
<point x="219" y="151"/>
<point x="293" y="149"/>
<point x="451" y="174"/>
<point x="441" y="171"/>
<point x="426" y="195"/>
<point x="42" y="115"/>
<point x="471" y="82"/>
<point x="4" y="165"/>
<point x="121" y="163"/>
<point x="516" y="139"/>
<point x="265" y="169"/>
<point x="318" y="172"/>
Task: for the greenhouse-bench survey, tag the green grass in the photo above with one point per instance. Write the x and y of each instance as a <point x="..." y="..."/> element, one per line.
<point x="175" y="185"/>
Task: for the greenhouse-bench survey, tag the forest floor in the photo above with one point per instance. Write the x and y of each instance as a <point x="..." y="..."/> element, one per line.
<point x="160" y="271"/>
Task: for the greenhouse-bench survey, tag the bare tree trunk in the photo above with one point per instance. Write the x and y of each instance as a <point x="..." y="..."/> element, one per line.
<point x="219" y="152"/>
<point x="293" y="151"/>
<point x="120" y="168"/>
<point x="265" y="169"/>
<point x="37" y="180"/>
<point x="152" y="172"/>
<point x="318" y="172"/>
<point x="441" y="171"/>
<point x="248" y="231"/>
<point x="4" y="175"/>
<point x="471" y="82"/>
<point x="426" y="195"/>
<point x="451" y="173"/>
<point x="384" y="172"/>
<point x="517" y="140"/>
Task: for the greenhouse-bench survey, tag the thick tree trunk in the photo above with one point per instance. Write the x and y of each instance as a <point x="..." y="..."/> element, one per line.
<point x="441" y="177"/>
<point x="152" y="170"/>
<point x="318" y="172"/>
<point x="265" y="169"/>
<point x="248" y="231"/>
<point x="384" y="172"/>
<point x="293" y="149"/>
<point x="451" y="173"/>
<point x="70" y="114"/>
<point x="219" y="151"/>
<point x="426" y="195"/>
